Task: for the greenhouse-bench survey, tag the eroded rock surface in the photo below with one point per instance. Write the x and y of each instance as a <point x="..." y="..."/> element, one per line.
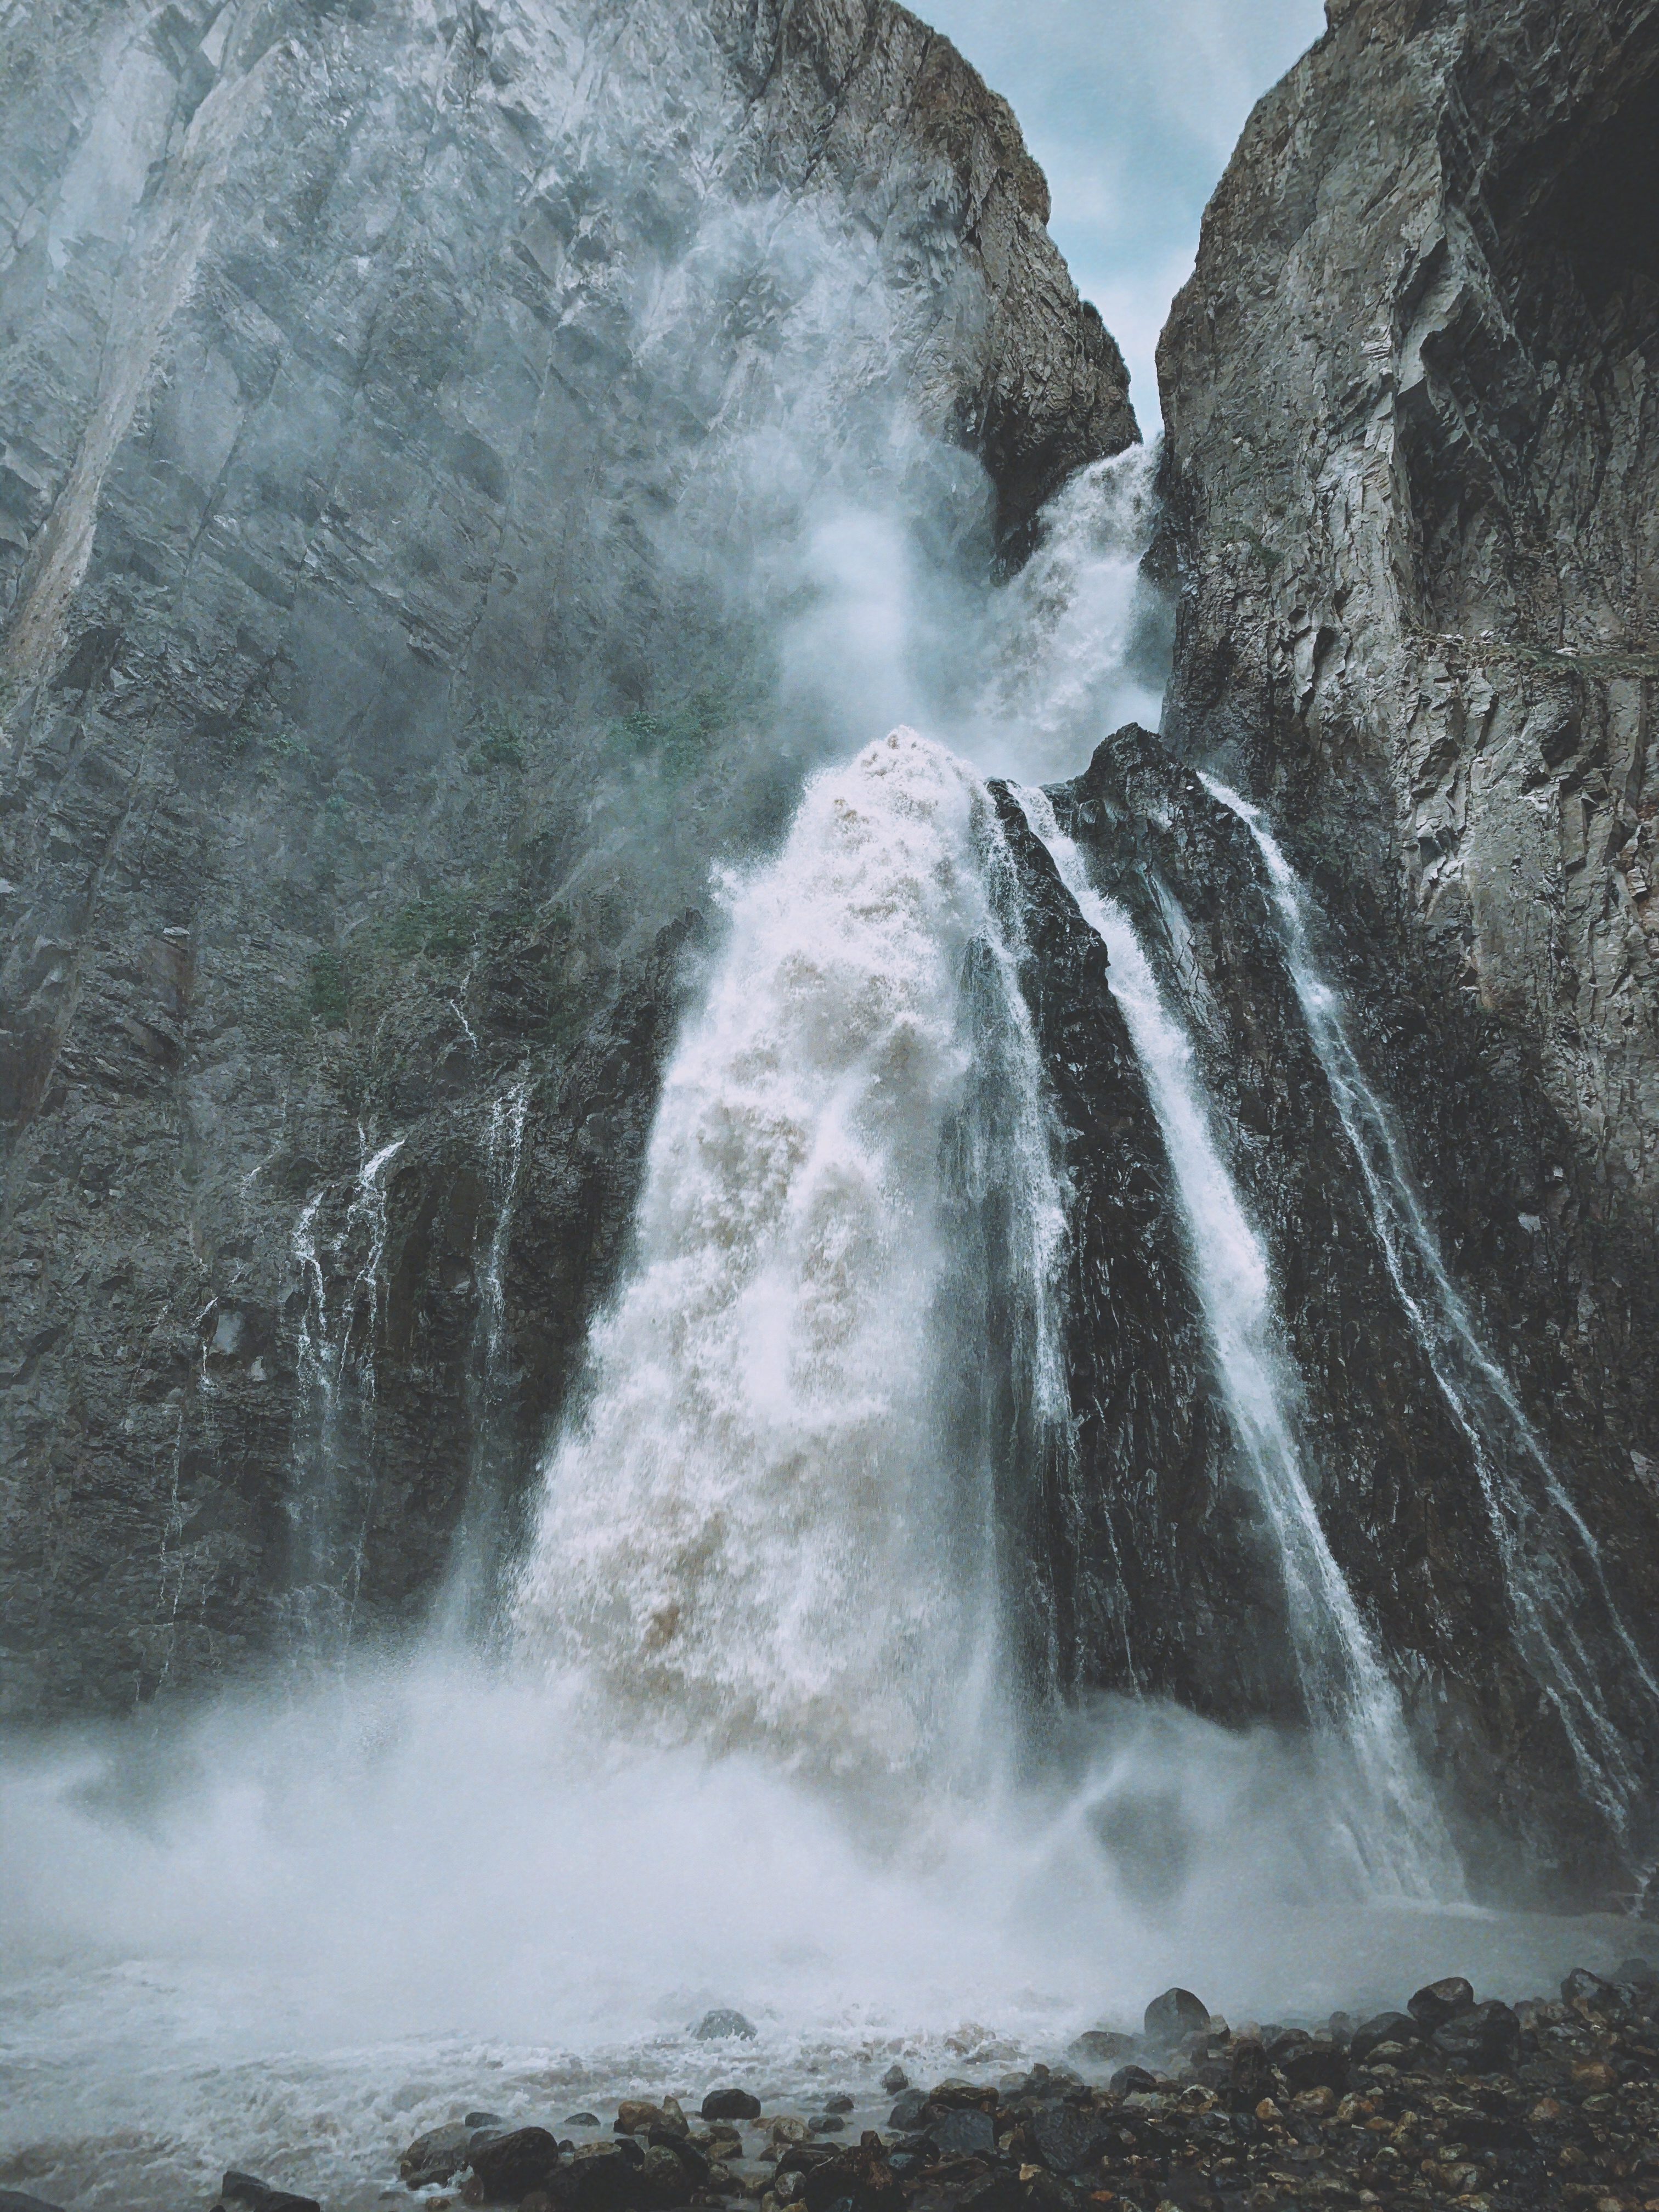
<point x="1411" y="474"/>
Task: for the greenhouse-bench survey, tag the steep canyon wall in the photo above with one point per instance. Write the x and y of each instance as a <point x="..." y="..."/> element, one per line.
<point x="410" y="421"/>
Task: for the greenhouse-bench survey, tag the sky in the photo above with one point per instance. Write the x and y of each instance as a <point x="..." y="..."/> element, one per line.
<point x="1132" y="107"/>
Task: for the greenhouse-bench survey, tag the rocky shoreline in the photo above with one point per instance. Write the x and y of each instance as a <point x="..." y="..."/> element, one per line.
<point x="1497" y="2108"/>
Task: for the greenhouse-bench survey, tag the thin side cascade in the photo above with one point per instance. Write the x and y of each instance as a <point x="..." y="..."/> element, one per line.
<point x="751" y="1535"/>
<point x="1392" y="1829"/>
<point x="1530" y="1530"/>
<point x="466" y="1607"/>
<point x="322" y="1578"/>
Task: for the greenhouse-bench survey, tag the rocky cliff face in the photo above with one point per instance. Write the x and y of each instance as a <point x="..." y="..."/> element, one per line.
<point x="1411" y="475"/>
<point x="412" y="421"/>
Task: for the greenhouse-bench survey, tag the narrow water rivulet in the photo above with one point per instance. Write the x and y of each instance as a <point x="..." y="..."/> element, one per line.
<point x="1388" y="1817"/>
<point x="1551" y="1565"/>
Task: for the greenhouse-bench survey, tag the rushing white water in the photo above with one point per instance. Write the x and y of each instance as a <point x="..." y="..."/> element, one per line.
<point x="1548" y="1554"/>
<point x="1396" y="1836"/>
<point x="748" y="1533"/>
<point x="1078" y="642"/>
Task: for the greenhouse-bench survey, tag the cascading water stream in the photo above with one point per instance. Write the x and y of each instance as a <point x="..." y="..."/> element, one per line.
<point x="1533" y="1519"/>
<point x="1395" y="1833"/>
<point x="327" y="1561"/>
<point x="752" y="1533"/>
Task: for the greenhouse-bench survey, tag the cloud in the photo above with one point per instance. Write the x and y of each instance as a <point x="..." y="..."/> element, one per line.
<point x="1132" y="107"/>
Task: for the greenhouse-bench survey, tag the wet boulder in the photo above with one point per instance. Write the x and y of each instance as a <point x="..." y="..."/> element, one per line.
<point x="1250" y="2074"/>
<point x="1439" y="2001"/>
<point x="1307" y="2064"/>
<point x="1382" y="2029"/>
<point x="692" y="2161"/>
<point x="1582" y="1987"/>
<point x="907" y="2110"/>
<point x="508" y="2166"/>
<point x="967" y="2132"/>
<point x="1483" y="2041"/>
<point x="732" y="2104"/>
<point x="14" y="2200"/>
<point x="435" y="2157"/>
<point x="1173" y="2016"/>
<point x="1100" y="2046"/>
<point x="1131" y="2080"/>
<point x="860" y="2176"/>
<point x="242" y="2192"/>
<point x="954" y="2095"/>
<point x="894" y="2079"/>
<point x="1067" y="2137"/>
<point x="724" y="2024"/>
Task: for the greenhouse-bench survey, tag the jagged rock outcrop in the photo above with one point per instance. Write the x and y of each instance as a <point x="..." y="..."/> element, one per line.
<point x="1137" y="1537"/>
<point x="411" y="425"/>
<point x="1410" y="474"/>
<point x="1401" y="1484"/>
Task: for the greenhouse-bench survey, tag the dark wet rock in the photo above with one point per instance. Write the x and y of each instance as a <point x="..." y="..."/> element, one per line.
<point x="1067" y="2137"/>
<point x="1581" y="1987"/>
<point x="955" y="2095"/>
<point x="1482" y="2041"/>
<point x="243" y="2192"/>
<point x="908" y="2109"/>
<point x="1440" y="2000"/>
<point x="723" y="2024"/>
<point x="484" y="2120"/>
<point x="1175" y="2016"/>
<point x="894" y="2079"/>
<point x="1307" y="2063"/>
<point x="826" y="2123"/>
<point x="730" y="2104"/>
<point x="693" y="2160"/>
<point x="1383" y="2027"/>
<point x="862" y="2177"/>
<point x="1148" y="1574"/>
<point x="1637" y="1973"/>
<point x="995" y="2192"/>
<point x="509" y="2166"/>
<point x="966" y="2132"/>
<point x="1131" y="2080"/>
<point x="837" y="2101"/>
<point x="1099" y="2046"/>
<point x="587" y="2119"/>
<point x="436" y="2156"/>
<point x="1250" y="2073"/>
<point x="14" y="2200"/>
<point x="637" y="2115"/>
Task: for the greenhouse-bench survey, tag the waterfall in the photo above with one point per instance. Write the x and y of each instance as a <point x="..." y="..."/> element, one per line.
<point x="1537" y="1528"/>
<point x="467" y="1605"/>
<point x="752" y="1533"/>
<point x="334" y="1441"/>
<point x="1392" y="1827"/>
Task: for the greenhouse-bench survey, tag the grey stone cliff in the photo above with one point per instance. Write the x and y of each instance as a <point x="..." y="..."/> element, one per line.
<point x="410" y="421"/>
<point x="1412" y="476"/>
